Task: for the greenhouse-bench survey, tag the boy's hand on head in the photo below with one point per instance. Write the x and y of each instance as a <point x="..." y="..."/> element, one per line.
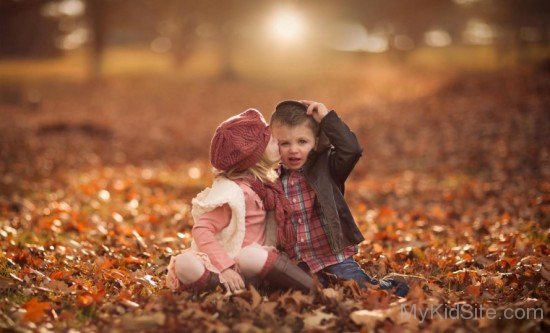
<point x="315" y="109"/>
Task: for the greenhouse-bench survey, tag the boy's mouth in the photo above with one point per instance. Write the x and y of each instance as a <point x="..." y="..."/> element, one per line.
<point x="294" y="161"/>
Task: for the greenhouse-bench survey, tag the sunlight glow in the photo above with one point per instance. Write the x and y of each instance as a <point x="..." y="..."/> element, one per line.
<point x="465" y="2"/>
<point x="287" y="26"/>
<point x="194" y="173"/>
<point x="74" y="39"/>
<point x="437" y="38"/>
<point x="478" y="33"/>
<point x="72" y="7"/>
<point x="64" y="8"/>
<point x="104" y="195"/>
<point x="376" y="43"/>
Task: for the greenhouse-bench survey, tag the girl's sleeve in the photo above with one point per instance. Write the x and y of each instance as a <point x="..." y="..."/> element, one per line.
<point x="208" y="225"/>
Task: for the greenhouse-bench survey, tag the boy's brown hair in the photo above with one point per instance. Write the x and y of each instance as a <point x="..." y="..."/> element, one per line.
<point x="293" y="113"/>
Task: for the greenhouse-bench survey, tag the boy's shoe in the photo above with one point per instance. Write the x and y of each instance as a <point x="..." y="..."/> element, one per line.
<point x="396" y="282"/>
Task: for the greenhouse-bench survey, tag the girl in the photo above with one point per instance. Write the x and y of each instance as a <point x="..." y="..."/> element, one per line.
<point x="234" y="228"/>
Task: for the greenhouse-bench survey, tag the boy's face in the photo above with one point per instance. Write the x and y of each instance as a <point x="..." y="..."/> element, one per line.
<point x="295" y="143"/>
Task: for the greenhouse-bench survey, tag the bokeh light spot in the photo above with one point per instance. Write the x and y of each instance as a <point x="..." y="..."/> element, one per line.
<point x="287" y="25"/>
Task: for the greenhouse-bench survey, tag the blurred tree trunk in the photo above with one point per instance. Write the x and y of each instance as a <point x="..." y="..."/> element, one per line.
<point x="227" y="39"/>
<point x="97" y="16"/>
<point x="186" y="15"/>
<point x="20" y="38"/>
<point x="511" y="16"/>
<point x="182" y="21"/>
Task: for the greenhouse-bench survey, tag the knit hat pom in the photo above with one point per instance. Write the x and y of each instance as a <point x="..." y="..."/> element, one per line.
<point x="240" y="141"/>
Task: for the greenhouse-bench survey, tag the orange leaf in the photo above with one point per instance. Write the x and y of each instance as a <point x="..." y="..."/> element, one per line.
<point x="85" y="299"/>
<point x="35" y="309"/>
<point x="438" y="212"/>
<point x="99" y="295"/>
<point x="493" y="248"/>
<point x="498" y="281"/>
<point x="474" y="290"/>
<point x="124" y="295"/>
<point x="362" y="208"/>
<point x="134" y="260"/>
<point x="386" y="211"/>
<point x="45" y="222"/>
<point x="107" y="263"/>
<point x="59" y="275"/>
<point x="377" y="248"/>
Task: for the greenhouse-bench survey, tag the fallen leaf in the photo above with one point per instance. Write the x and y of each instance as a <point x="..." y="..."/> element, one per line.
<point x="144" y="322"/>
<point x="318" y="319"/>
<point x="473" y="290"/>
<point x="368" y="317"/>
<point x="36" y="310"/>
<point x="332" y="293"/>
<point x="256" y="297"/>
<point x="85" y="299"/>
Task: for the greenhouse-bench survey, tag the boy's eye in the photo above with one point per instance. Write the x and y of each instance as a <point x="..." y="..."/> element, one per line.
<point x="302" y="141"/>
<point x="283" y="144"/>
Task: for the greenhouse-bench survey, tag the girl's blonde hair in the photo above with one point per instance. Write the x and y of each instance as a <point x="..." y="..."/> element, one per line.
<point x="264" y="170"/>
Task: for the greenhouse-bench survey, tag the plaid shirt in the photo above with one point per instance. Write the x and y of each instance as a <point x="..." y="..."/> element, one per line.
<point x="312" y="245"/>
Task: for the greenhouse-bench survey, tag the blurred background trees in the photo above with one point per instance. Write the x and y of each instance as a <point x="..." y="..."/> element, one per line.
<point x="177" y="28"/>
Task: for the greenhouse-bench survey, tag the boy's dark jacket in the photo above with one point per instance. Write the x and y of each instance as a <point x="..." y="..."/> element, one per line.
<point x="326" y="171"/>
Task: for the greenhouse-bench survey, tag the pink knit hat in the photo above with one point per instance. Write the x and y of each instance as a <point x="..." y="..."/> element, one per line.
<point x="240" y="141"/>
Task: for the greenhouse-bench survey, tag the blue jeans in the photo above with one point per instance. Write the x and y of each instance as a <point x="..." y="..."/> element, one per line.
<point x="349" y="269"/>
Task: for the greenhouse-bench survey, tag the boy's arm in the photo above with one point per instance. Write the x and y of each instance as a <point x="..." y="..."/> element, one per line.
<point x="347" y="150"/>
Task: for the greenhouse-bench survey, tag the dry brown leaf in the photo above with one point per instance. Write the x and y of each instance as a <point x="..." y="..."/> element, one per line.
<point x="369" y="318"/>
<point x="144" y="322"/>
<point x="474" y="290"/>
<point x="268" y="307"/>
<point x="333" y="294"/>
<point x="318" y="319"/>
<point x="256" y="297"/>
<point x="58" y="286"/>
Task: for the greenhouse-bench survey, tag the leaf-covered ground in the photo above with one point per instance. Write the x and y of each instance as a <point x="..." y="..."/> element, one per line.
<point x="453" y="190"/>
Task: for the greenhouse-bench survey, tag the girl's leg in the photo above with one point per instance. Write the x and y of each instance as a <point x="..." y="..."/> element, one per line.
<point x="189" y="269"/>
<point x="186" y="271"/>
<point x="253" y="259"/>
<point x="277" y="268"/>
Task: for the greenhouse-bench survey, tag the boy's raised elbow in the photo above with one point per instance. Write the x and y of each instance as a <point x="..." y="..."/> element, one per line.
<point x="358" y="152"/>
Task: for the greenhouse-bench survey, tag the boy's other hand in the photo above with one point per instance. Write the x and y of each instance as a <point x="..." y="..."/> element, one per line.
<point x="315" y="109"/>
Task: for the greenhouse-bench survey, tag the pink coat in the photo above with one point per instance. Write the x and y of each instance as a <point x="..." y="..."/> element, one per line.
<point x="214" y="221"/>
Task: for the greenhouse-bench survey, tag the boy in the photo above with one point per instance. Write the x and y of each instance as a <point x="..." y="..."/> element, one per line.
<point x="318" y="152"/>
